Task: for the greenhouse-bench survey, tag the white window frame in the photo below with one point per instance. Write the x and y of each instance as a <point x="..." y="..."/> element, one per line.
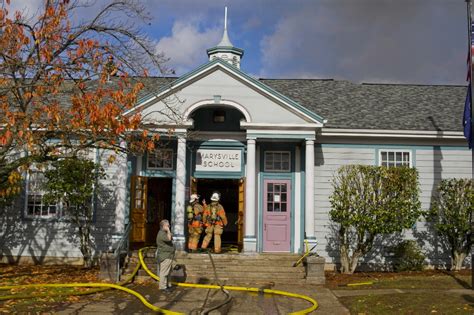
<point x="40" y="193"/>
<point x="395" y="151"/>
<point x="275" y="170"/>
<point x="171" y="154"/>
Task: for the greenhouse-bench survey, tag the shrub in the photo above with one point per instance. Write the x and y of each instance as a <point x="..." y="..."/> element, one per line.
<point x="408" y="257"/>
<point x="369" y="201"/>
<point x="451" y="212"/>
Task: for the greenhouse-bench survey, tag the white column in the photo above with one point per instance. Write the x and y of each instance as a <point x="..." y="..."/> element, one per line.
<point x="250" y="241"/>
<point x="309" y="191"/>
<point x="298" y="201"/>
<point x="178" y="224"/>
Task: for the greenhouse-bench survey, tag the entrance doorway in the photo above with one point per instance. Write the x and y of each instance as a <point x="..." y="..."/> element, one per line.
<point x="158" y="207"/>
<point x="276" y="215"/>
<point x="150" y="203"/>
<point x="231" y="192"/>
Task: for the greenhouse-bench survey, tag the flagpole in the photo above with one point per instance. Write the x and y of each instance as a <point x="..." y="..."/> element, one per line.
<point x="469" y="36"/>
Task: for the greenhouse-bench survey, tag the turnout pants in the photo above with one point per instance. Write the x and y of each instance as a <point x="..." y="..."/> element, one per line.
<point x="217" y="230"/>
<point x="194" y="236"/>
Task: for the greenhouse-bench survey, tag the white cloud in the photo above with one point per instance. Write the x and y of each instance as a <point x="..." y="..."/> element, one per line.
<point x="186" y="47"/>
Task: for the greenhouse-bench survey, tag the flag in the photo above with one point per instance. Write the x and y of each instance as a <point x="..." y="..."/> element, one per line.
<point x="466" y="122"/>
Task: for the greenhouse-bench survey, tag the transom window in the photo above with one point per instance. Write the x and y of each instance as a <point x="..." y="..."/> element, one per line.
<point x="161" y="159"/>
<point x="277" y="161"/>
<point x="395" y="158"/>
<point x="277" y="197"/>
<point x="36" y="207"/>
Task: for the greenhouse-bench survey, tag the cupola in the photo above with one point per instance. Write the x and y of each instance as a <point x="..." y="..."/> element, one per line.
<point x="225" y="50"/>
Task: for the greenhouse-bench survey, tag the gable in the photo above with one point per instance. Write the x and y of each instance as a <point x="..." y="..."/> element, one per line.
<point x="220" y="84"/>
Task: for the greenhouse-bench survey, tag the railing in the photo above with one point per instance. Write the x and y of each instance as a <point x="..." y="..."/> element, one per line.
<point x="122" y="245"/>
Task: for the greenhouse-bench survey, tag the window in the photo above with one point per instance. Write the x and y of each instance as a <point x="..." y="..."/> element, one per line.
<point x="161" y="159"/>
<point x="395" y="158"/>
<point x="277" y="200"/>
<point x="35" y="204"/>
<point x="277" y="161"/>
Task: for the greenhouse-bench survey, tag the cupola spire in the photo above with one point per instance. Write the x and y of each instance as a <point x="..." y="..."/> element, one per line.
<point x="225" y="49"/>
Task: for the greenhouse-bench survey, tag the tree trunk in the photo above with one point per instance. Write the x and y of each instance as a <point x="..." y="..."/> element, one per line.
<point x="355" y="260"/>
<point x="344" y="252"/>
<point x="85" y="246"/>
<point x="456" y="260"/>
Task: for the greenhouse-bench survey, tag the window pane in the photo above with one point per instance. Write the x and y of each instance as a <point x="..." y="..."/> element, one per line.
<point x="277" y="166"/>
<point x="283" y="197"/>
<point x="391" y="157"/>
<point x="277" y="161"/>
<point x="270" y="187"/>
<point x="161" y="159"/>
<point x="277" y="188"/>
<point x="276" y="207"/>
<point x="270" y="207"/>
<point x="398" y="156"/>
<point x="283" y="207"/>
<point x="395" y="158"/>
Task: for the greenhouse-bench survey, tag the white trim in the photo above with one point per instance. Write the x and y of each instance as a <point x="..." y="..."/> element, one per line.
<point x="308" y="126"/>
<point x="410" y="155"/>
<point x="211" y="69"/>
<point x="305" y="134"/>
<point x="392" y="133"/>
<point x="217" y="136"/>
<point x="222" y="102"/>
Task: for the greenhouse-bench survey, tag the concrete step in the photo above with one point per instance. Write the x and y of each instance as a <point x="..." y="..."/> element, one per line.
<point x="240" y="274"/>
<point x="248" y="281"/>
<point x="229" y="256"/>
<point x="231" y="261"/>
<point x="232" y="268"/>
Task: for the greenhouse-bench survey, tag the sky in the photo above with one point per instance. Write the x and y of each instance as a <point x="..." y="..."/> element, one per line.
<point x="376" y="41"/>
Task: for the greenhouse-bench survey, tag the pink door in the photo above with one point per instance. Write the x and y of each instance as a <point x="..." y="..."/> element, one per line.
<point x="276" y="216"/>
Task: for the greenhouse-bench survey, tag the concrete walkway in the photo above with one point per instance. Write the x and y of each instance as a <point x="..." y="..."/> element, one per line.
<point x="343" y="293"/>
<point x="193" y="301"/>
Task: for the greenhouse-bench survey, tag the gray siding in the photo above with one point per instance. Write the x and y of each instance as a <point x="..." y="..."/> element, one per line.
<point x="327" y="160"/>
<point x="433" y="163"/>
<point x="49" y="240"/>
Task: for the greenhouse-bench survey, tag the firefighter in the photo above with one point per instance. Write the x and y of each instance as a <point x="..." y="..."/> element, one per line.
<point x="214" y="219"/>
<point x="194" y="213"/>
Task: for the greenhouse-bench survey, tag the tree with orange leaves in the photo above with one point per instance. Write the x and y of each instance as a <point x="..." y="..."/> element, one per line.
<point x="64" y="86"/>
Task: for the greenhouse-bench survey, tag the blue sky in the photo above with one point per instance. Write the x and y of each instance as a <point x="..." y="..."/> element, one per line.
<point x="399" y="41"/>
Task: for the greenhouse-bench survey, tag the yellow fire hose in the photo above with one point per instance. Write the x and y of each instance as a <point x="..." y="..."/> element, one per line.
<point x="120" y="286"/>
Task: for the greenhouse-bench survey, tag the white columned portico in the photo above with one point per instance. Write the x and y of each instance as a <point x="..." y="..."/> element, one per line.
<point x="250" y="240"/>
<point x="180" y="187"/>
<point x="309" y="191"/>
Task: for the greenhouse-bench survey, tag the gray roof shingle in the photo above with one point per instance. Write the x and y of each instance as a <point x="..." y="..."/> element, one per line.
<point x="377" y="106"/>
<point x="348" y="105"/>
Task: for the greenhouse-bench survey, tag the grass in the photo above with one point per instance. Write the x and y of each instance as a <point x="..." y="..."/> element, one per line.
<point x="410" y="303"/>
<point x="24" y="274"/>
<point x="431" y="279"/>
<point x="423" y="292"/>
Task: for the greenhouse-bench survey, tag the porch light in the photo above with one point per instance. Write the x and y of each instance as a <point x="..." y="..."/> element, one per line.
<point x="219" y="116"/>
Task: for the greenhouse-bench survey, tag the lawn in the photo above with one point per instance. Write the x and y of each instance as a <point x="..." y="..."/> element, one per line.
<point x="427" y="292"/>
<point x="26" y="274"/>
